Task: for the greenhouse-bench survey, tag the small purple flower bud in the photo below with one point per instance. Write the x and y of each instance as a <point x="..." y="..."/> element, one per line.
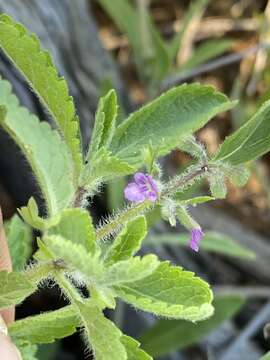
<point x="143" y="188"/>
<point x="196" y="236"/>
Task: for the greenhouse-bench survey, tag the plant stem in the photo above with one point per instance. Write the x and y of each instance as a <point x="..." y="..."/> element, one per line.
<point x="122" y="218"/>
<point x="79" y="195"/>
<point x="184" y="181"/>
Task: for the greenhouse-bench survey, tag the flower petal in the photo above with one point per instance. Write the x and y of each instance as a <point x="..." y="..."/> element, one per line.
<point x="196" y="236"/>
<point x="140" y="178"/>
<point x="133" y="193"/>
<point x="151" y="195"/>
<point x="153" y="184"/>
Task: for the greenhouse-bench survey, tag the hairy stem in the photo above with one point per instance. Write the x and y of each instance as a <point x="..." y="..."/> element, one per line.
<point x="123" y="217"/>
<point x="40" y="271"/>
<point x="183" y="181"/>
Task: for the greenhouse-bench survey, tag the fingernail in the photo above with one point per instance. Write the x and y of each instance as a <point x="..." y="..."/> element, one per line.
<point x="18" y="354"/>
<point x="3" y="326"/>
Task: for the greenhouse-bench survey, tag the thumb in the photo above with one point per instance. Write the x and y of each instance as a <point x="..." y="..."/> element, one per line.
<point x="5" y="264"/>
<point x="5" y="260"/>
<point x="8" y="350"/>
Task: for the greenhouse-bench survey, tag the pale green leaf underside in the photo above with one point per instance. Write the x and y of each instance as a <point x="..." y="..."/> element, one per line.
<point x="75" y="256"/>
<point x="167" y="336"/>
<point x="14" y="288"/>
<point x="128" y="242"/>
<point x="171" y="292"/>
<point x="130" y="270"/>
<point x="76" y="225"/>
<point x="168" y="119"/>
<point x="43" y="148"/>
<point x="103" y="336"/>
<point x="36" y="65"/>
<point x="250" y="141"/>
<point x="30" y="215"/>
<point x="238" y="175"/>
<point x="133" y="349"/>
<point x="27" y="350"/>
<point x="46" y="327"/>
<point x="20" y="238"/>
<point x="212" y="241"/>
<point x="217" y="186"/>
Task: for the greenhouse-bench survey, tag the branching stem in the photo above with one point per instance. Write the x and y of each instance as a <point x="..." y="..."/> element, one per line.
<point x="122" y="218"/>
<point x="131" y="212"/>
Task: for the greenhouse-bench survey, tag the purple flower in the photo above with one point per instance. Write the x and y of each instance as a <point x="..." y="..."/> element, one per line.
<point x="196" y="236"/>
<point x="143" y="188"/>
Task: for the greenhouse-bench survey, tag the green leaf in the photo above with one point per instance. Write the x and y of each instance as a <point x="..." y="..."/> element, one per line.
<point x="167" y="336"/>
<point x="104" y="123"/>
<point x="217" y="185"/>
<point x="171" y="292"/>
<point x="197" y="200"/>
<point x="43" y="148"/>
<point x="110" y="109"/>
<point x="46" y="327"/>
<point x="20" y="238"/>
<point x="212" y="241"/>
<point x="238" y="175"/>
<point x="3" y="112"/>
<point x="14" y="288"/>
<point x="106" y="166"/>
<point x="76" y="225"/>
<point x="102" y="334"/>
<point x="27" y="350"/>
<point x="191" y="146"/>
<point x="75" y="257"/>
<point x="128" y="242"/>
<point x="133" y="349"/>
<point x="168" y="211"/>
<point x="250" y="141"/>
<point x="130" y="270"/>
<point x="208" y="50"/>
<point x="266" y="356"/>
<point x="185" y="219"/>
<point x="103" y="296"/>
<point x="168" y="119"/>
<point x="23" y="49"/>
<point x="30" y="215"/>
